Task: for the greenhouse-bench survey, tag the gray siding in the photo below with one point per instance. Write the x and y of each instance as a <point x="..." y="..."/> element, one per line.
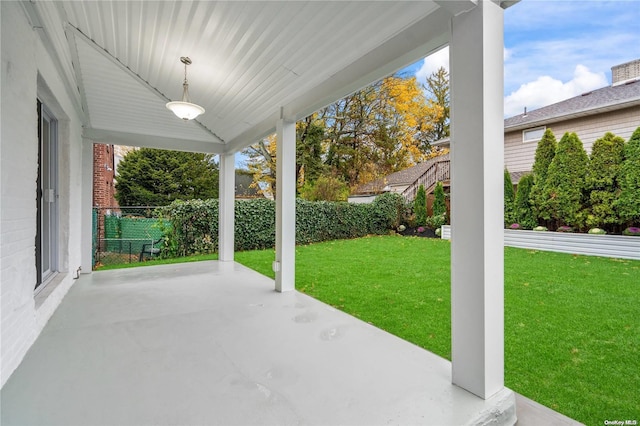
<point x="519" y="156"/>
<point x="617" y="246"/>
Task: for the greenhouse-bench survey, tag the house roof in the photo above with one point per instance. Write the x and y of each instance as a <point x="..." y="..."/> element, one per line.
<point x="608" y="98"/>
<point x="402" y="177"/>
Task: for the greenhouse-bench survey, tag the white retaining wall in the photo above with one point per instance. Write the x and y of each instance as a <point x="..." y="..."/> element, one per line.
<point x="29" y="72"/>
<point x="618" y="246"/>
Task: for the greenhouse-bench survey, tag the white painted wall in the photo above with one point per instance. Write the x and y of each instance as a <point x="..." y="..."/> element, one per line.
<point x="28" y="73"/>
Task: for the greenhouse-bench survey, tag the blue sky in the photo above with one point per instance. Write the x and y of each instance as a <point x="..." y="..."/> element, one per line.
<point x="557" y="49"/>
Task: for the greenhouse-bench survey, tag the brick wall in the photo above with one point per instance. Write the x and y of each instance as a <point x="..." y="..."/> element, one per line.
<point x="104" y="176"/>
<point x="625" y="72"/>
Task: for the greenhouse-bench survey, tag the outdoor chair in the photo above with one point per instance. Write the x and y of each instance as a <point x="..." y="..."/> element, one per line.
<point x="150" y="248"/>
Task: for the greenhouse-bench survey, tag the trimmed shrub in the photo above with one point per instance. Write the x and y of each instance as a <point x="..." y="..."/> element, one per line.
<point x="545" y="152"/>
<point x="439" y="204"/>
<point x="420" y="206"/>
<point x="628" y="203"/>
<point x="564" y="184"/>
<point x="601" y="181"/>
<point x="435" y="222"/>
<point x="522" y="206"/>
<point x="194" y="227"/>
<point x="509" y="198"/>
<point x="195" y="222"/>
<point x="388" y="211"/>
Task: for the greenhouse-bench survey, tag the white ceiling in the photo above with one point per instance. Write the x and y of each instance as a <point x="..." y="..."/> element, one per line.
<point x="251" y="60"/>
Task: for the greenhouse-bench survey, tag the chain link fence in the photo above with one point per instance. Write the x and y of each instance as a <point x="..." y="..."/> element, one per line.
<point x="126" y="234"/>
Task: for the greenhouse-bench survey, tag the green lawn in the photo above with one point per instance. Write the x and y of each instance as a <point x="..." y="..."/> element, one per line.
<point x="572" y="323"/>
<point x="151" y="262"/>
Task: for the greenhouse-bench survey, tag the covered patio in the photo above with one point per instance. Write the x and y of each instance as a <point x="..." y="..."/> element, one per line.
<point x="102" y="73"/>
<point x="213" y="343"/>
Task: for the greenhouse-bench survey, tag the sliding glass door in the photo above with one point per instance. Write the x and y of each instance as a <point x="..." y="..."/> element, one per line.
<point x="47" y="197"/>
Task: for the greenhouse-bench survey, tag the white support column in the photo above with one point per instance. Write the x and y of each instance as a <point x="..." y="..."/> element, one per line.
<point x="86" y="209"/>
<point x="477" y="164"/>
<point x="226" y="211"/>
<point x="285" y="263"/>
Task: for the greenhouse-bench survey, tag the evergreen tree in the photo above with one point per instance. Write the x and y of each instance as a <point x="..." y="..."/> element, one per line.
<point x="420" y="207"/>
<point x="601" y="181"/>
<point x="564" y="184"/>
<point x="628" y="204"/>
<point x="545" y="152"/>
<point x="509" y="198"/>
<point x="439" y="204"/>
<point x="157" y="177"/>
<point x="309" y="136"/>
<point x="522" y="205"/>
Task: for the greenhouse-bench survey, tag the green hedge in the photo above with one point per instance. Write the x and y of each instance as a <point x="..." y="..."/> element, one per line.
<point x="195" y="222"/>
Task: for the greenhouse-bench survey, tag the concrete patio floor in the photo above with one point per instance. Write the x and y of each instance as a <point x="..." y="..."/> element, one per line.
<point x="211" y="343"/>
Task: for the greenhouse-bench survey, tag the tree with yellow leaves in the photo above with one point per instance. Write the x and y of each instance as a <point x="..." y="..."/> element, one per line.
<point x="379" y="130"/>
<point x="373" y="132"/>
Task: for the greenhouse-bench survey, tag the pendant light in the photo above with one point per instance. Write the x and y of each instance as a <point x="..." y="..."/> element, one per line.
<point x="185" y="109"/>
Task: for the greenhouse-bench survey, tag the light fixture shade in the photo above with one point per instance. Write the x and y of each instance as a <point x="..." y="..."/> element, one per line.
<point x="185" y="110"/>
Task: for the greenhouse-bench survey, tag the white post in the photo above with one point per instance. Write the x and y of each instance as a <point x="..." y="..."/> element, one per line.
<point x="477" y="164"/>
<point x="284" y="265"/>
<point x="86" y="209"/>
<point x="226" y="210"/>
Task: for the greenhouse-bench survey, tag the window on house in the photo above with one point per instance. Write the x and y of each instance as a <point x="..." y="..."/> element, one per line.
<point x="533" y="135"/>
<point x="47" y="197"/>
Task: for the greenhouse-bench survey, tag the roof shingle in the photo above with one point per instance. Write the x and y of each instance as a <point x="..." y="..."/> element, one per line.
<point x="613" y="97"/>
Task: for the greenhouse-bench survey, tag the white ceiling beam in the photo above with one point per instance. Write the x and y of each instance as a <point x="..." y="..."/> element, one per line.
<point x="44" y="18"/>
<point x="456" y="7"/>
<point x="150" y="141"/>
<point x="414" y="43"/>
<point x="73" y="48"/>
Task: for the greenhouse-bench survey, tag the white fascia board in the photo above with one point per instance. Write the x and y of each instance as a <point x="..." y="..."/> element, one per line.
<point x="150" y="141"/>
<point x="614" y="106"/>
<point x="456" y="7"/>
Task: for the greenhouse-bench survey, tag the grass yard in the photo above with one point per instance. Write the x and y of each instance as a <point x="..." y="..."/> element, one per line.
<point x="572" y="323"/>
<point x="151" y="262"/>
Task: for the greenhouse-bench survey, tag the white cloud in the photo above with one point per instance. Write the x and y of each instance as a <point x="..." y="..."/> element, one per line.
<point x="432" y="63"/>
<point x="506" y="54"/>
<point x="546" y="90"/>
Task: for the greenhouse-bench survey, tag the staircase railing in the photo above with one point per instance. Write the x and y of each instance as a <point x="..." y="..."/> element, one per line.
<point x="438" y="171"/>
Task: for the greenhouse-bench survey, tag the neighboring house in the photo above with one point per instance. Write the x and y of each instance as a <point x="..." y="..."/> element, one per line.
<point x="104" y="176"/>
<point x="614" y="108"/>
<point x="406" y="182"/>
